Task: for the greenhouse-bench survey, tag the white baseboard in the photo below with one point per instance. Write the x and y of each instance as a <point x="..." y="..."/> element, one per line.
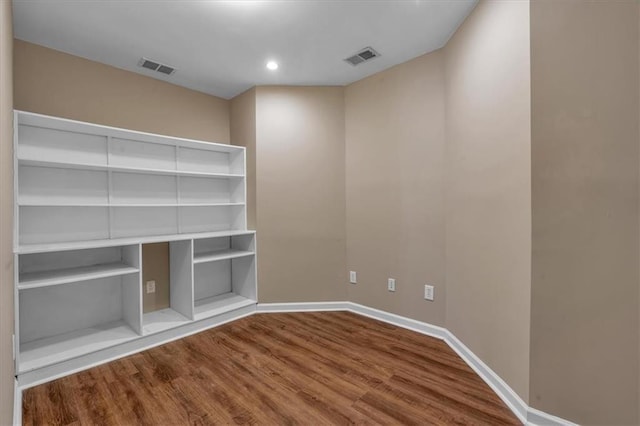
<point x="302" y="307"/>
<point x="520" y="409"/>
<point x="17" y="404"/>
<point x="495" y="382"/>
<point x="404" y="322"/>
<point x="536" y="417"/>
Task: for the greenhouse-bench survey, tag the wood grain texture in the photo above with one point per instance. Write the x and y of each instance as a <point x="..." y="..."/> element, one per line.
<point x="320" y="368"/>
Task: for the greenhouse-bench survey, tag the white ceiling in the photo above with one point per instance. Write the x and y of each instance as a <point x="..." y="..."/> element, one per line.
<point x="221" y="47"/>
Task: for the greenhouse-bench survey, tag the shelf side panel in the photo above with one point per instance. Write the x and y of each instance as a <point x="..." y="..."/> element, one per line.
<point x="181" y="277"/>
<point x="132" y="289"/>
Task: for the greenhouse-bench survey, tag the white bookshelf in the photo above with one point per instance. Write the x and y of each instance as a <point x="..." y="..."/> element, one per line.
<point x="86" y="198"/>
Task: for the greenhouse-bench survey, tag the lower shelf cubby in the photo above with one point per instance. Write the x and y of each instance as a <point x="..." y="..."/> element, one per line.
<point x="65" y="321"/>
<point x="180" y="301"/>
<point x="224" y="274"/>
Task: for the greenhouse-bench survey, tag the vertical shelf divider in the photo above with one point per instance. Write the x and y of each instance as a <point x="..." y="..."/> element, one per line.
<point x="109" y="188"/>
<point x="178" y="195"/>
<point x="132" y="289"/>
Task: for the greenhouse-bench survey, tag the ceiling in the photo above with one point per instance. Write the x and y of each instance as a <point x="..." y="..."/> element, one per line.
<point x="221" y="47"/>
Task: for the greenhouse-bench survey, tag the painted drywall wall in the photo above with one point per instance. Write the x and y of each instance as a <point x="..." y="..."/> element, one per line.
<point x="300" y="195"/>
<point x="55" y="83"/>
<point x="6" y="214"/>
<point x="395" y="146"/>
<point x="155" y="267"/>
<point x="488" y="217"/>
<point x="584" y="317"/>
<point x="243" y="133"/>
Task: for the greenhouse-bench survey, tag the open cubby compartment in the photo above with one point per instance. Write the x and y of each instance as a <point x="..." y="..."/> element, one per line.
<point x="195" y="219"/>
<point x="225" y="160"/>
<point x="52" y="186"/>
<point x="224" y="274"/>
<point x="180" y="310"/>
<point x="62" y="146"/>
<point x="41" y="225"/>
<point x="221" y="248"/>
<point x="127" y="221"/>
<point x="60" y="322"/>
<point x="61" y="267"/>
<point x="210" y="190"/>
<point x="142" y="155"/>
<point x="140" y="188"/>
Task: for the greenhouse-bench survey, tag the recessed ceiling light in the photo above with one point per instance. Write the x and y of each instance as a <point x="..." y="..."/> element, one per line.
<point x="272" y="65"/>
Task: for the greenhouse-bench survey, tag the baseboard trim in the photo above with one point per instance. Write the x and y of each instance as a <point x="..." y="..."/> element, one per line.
<point x="17" y="403"/>
<point x="302" y="307"/>
<point x="400" y="321"/>
<point x="495" y="382"/>
<point x="520" y="409"/>
<point x="536" y="417"/>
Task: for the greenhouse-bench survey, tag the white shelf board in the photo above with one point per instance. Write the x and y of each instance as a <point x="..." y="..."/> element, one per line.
<point x="31" y="204"/>
<point x="163" y="319"/>
<point x="77" y="245"/>
<point x="216" y="305"/>
<point x="65" y="124"/>
<point x="71" y="275"/>
<point x="125" y="169"/>
<point x="51" y="350"/>
<point x="213" y="256"/>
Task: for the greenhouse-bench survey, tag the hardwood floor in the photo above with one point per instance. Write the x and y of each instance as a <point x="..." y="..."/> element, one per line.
<point x="301" y="368"/>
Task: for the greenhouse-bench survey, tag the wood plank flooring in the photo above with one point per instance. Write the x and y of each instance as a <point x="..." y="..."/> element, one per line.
<point x="321" y="368"/>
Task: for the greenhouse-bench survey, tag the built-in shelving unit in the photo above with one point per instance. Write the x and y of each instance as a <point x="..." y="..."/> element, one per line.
<point x="87" y="198"/>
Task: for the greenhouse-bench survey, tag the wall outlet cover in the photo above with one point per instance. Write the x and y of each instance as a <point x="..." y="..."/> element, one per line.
<point x="391" y="284"/>
<point x="429" y="292"/>
<point x="151" y="287"/>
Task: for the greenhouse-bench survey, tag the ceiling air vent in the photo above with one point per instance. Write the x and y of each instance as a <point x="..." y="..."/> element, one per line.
<point x="364" y="55"/>
<point x="156" y="66"/>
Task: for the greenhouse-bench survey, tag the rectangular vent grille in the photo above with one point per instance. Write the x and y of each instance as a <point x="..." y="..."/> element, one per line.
<point x="364" y="55"/>
<point x="156" y="66"/>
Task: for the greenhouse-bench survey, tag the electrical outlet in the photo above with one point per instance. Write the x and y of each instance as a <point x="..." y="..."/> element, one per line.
<point x="391" y="284"/>
<point x="151" y="287"/>
<point x="353" y="277"/>
<point x="428" y="292"/>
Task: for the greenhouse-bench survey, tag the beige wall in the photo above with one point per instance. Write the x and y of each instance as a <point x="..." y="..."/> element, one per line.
<point x="488" y="218"/>
<point x="6" y="214"/>
<point x="300" y="194"/>
<point x="55" y="83"/>
<point x="243" y="133"/>
<point x="155" y="267"/>
<point x="395" y="188"/>
<point x="584" y="328"/>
